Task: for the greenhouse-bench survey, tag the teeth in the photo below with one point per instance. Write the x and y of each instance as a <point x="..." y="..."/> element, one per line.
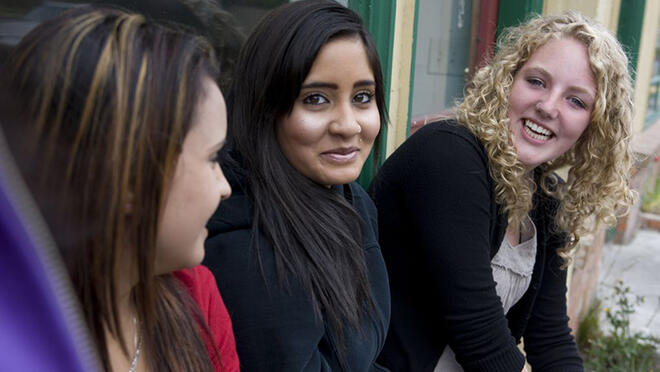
<point x="536" y="131"/>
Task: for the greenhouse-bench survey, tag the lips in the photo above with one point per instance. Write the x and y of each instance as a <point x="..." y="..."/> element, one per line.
<point x="536" y="131"/>
<point x="341" y="154"/>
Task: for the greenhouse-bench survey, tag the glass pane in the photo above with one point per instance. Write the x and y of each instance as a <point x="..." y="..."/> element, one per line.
<point x="653" y="103"/>
<point x="442" y="54"/>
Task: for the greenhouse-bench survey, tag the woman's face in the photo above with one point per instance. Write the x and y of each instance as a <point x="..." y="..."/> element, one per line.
<point x="551" y="101"/>
<point x="197" y="187"/>
<point x="335" y="120"/>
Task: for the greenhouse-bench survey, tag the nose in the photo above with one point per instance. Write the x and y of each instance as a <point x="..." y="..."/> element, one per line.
<point x="224" y="188"/>
<point x="345" y="122"/>
<point x="547" y="107"/>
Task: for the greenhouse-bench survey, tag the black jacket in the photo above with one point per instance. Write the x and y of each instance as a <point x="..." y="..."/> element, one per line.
<point x="439" y="229"/>
<point x="275" y="328"/>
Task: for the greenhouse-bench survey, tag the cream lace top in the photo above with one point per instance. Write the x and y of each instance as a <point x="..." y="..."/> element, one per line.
<point x="512" y="270"/>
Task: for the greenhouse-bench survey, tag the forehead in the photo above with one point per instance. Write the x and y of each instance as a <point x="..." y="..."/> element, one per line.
<point x="339" y="56"/>
<point x="209" y="123"/>
<point x="564" y="58"/>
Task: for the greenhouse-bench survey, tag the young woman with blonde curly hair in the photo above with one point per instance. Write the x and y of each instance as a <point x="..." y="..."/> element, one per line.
<point x="476" y="227"/>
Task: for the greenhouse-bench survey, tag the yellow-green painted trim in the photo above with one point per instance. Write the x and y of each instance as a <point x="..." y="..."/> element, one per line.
<point x="402" y="75"/>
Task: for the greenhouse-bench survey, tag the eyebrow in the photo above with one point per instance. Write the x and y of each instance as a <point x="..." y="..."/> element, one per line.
<point x="544" y="72"/>
<point x="321" y="84"/>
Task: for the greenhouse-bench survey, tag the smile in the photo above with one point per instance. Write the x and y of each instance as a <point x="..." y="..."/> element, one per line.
<point x="341" y="155"/>
<point x="536" y="131"/>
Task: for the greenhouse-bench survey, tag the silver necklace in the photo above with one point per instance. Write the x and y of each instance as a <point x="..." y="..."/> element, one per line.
<point x="137" y="343"/>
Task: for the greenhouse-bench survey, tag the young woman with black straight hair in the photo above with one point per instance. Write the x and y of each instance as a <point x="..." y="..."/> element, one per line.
<point x="295" y="249"/>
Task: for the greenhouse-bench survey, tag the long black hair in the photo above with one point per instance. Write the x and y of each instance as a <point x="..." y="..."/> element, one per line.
<point x="315" y="232"/>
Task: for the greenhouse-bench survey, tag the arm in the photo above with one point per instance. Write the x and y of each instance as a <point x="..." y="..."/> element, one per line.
<point x="446" y="190"/>
<point x="548" y="341"/>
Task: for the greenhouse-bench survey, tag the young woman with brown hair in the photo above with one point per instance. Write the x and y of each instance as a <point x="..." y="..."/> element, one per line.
<point x="116" y="123"/>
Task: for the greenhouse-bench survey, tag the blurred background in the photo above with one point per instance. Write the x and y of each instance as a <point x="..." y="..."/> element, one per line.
<point x="429" y="49"/>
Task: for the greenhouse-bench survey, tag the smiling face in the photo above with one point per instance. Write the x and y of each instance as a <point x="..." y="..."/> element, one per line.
<point x="551" y="101"/>
<point x="197" y="187"/>
<point x="335" y="120"/>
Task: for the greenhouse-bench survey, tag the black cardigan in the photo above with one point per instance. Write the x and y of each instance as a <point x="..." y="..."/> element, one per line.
<point x="276" y="328"/>
<point x="439" y="229"/>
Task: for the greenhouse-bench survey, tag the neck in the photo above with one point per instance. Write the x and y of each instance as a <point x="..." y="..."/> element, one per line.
<point x="121" y="350"/>
<point x="120" y="358"/>
<point x="529" y="170"/>
<point x="126" y="280"/>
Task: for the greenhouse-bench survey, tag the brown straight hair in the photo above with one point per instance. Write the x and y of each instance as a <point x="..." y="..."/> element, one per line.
<point x="97" y="103"/>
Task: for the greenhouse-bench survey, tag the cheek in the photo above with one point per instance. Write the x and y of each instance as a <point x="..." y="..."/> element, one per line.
<point x="193" y="196"/>
<point x="513" y="103"/>
<point x="577" y="126"/>
<point x="370" y="122"/>
<point x="300" y="129"/>
<point x="517" y="99"/>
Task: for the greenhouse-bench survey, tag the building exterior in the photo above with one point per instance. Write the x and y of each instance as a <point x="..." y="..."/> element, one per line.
<point x="437" y="45"/>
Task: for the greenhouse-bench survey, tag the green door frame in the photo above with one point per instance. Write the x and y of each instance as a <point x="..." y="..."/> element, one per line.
<point x="513" y="12"/>
<point x="629" y="30"/>
<point x="378" y="16"/>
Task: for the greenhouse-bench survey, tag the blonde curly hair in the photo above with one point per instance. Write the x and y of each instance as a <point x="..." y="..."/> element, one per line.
<point x="597" y="189"/>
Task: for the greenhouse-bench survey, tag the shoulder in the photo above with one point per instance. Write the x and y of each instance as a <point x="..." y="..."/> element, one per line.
<point x="444" y="131"/>
<point x="202" y="287"/>
<point x="199" y="282"/>
<point x="361" y="200"/>
<point x="438" y="146"/>
<point x="367" y="210"/>
<point x="438" y="153"/>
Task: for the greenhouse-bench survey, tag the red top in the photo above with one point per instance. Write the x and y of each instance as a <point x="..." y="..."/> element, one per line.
<point x="201" y="285"/>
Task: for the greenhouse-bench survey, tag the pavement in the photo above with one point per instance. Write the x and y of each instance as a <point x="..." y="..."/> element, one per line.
<point x="638" y="265"/>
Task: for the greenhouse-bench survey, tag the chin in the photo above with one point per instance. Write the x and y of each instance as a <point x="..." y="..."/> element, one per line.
<point x="193" y="257"/>
<point x="340" y="179"/>
<point x="530" y="161"/>
<point x="197" y="255"/>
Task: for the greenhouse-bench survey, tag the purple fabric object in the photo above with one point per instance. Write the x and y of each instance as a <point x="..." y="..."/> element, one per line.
<point x="38" y="330"/>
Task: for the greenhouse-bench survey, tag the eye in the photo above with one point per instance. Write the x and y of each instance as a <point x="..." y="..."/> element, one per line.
<point x="577" y="102"/>
<point x="315" y="99"/>
<point x="363" y="97"/>
<point x="535" y="82"/>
